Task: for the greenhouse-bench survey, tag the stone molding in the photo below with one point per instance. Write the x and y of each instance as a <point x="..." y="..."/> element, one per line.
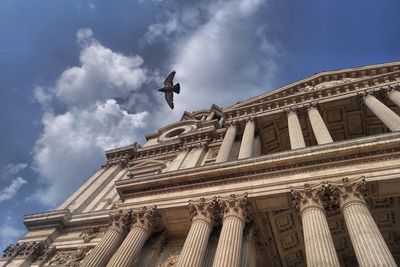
<point x="234" y="206"/>
<point x="203" y="210"/>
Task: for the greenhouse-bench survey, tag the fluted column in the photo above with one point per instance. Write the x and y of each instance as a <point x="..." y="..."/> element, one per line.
<point x="319" y="127"/>
<point x="369" y="246"/>
<point x="229" y="247"/>
<point x="195" y="246"/>
<point x="210" y="116"/>
<point x="249" y="253"/>
<point x="320" y="250"/>
<point x="144" y="221"/>
<point x="246" y="146"/>
<point x="385" y="114"/>
<point x="227" y="143"/>
<point x="295" y="132"/>
<point x="394" y="96"/>
<point x="110" y="241"/>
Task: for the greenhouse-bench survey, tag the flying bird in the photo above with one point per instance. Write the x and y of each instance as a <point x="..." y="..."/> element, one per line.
<point x="169" y="89"/>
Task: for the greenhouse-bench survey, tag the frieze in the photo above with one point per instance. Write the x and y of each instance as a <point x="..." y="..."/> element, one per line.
<point x="68" y="257"/>
<point x="31" y="250"/>
<point x="91" y="233"/>
<point x="271" y="172"/>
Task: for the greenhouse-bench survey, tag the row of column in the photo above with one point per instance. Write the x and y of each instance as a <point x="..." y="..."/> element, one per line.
<point x="389" y="118"/>
<point x="368" y="243"/>
<point x="229" y="248"/>
<point x="120" y="247"/>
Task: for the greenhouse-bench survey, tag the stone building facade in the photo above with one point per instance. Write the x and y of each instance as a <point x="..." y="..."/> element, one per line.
<point x="305" y="175"/>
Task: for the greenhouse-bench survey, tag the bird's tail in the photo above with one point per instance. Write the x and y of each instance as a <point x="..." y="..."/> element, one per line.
<point x="177" y="88"/>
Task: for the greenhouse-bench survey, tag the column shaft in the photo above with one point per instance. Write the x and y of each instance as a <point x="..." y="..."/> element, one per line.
<point x="295" y="132"/>
<point x="385" y="114"/>
<point x="368" y="243"/>
<point x="102" y="253"/>
<point x="229" y="243"/>
<point x="394" y="96"/>
<point x="246" y="146"/>
<point x="195" y="246"/>
<point x="130" y="248"/>
<point x="320" y="250"/>
<point x="319" y="127"/>
<point x="227" y="143"/>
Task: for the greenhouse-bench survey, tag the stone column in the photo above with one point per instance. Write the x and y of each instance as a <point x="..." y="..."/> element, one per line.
<point x="319" y="127"/>
<point x="394" y="96"/>
<point x="230" y="240"/>
<point x="295" y="132"/>
<point x="110" y="241"/>
<point x="320" y="250"/>
<point x="368" y="243"/>
<point x="227" y="143"/>
<point x="195" y="246"/>
<point x="385" y="114"/>
<point x="144" y="221"/>
<point x="210" y="117"/>
<point x="246" y="146"/>
<point x="249" y="250"/>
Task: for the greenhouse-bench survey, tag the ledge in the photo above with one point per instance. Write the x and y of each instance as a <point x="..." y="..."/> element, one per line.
<point x="308" y="156"/>
<point x="56" y="218"/>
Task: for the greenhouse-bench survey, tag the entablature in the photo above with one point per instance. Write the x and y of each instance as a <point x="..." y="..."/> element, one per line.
<point x="264" y="106"/>
<point x="374" y="148"/>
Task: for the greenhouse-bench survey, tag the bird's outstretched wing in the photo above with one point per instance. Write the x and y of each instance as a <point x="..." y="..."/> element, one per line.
<point x="169" y="80"/>
<point x="169" y="96"/>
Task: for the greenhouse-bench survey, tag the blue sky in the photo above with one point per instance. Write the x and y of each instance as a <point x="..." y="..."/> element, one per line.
<point x="78" y="77"/>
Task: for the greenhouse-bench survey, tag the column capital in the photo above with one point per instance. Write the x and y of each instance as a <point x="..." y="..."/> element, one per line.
<point x="348" y="192"/>
<point x="120" y="219"/>
<point x="147" y="219"/>
<point x="250" y="118"/>
<point x="230" y="123"/>
<point x="234" y="206"/>
<point x="311" y="105"/>
<point x="308" y="197"/>
<point x="203" y="210"/>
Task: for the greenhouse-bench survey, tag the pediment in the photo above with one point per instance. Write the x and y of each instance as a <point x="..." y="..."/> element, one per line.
<point x="322" y="81"/>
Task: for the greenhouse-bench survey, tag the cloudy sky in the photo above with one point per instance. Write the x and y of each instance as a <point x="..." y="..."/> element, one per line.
<point x="79" y="76"/>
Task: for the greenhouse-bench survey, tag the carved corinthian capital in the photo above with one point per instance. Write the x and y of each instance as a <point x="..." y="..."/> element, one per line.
<point x="147" y="219"/>
<point x="349" y="192"/>
<point x="308" y="197"/>
<point x="203" y="210"/>
<point x="234" y="206"/>
<point x="120" y="219"/>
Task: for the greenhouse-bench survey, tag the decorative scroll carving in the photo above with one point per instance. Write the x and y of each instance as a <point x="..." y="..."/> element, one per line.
<point x="30" y="250"/>
<point x="236" y="206"/>
<point x="349" y="191"/>
<point x="309" y="196"/>
<point x="91" y="233"/>
<point x="147" y="218"/>
<point x="171" y="261"/>
<point x="120" y="219"/>
<point x="46" y="255"/>
<point x="203" y="210"/>
<point x="69" y="257"/>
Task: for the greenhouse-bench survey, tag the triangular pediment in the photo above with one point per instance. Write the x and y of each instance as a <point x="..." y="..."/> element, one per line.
<point x="322" y="81"/>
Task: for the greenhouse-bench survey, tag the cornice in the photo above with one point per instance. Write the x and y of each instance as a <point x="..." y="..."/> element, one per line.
<point x="361" y="71"/>
<point x="323" y="95"/>
<point x="278" y="162"/>
<point x="56" y="218"/>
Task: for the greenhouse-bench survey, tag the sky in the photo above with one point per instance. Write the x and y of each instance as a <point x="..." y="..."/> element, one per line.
<point x="80" y="76"/>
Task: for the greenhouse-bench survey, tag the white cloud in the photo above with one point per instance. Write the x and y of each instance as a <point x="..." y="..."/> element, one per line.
<point x="8" y="232"/>
<point x="11" y="169"/>
<point x="72" y="143"/>
<point x="10" y="191"/>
